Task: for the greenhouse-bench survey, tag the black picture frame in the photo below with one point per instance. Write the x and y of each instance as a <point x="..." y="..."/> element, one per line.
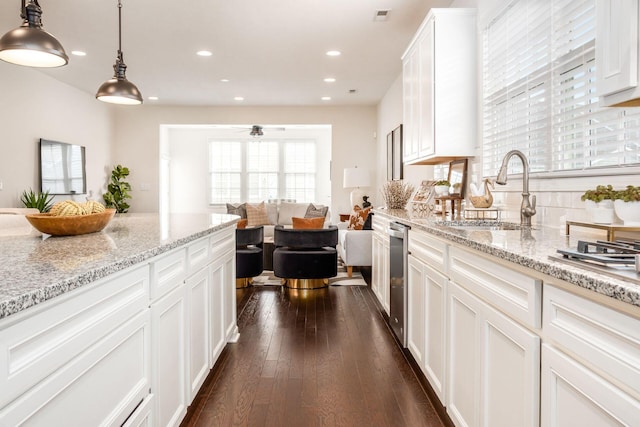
<point x="397" y="164"/>
<point x="389" y="156"/>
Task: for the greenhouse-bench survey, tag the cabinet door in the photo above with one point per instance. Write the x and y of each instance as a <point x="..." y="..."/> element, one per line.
<point x="426" y="142"/>
<point x="416" y="310"/>
<point x="463" y="358"/>
<point x="198" y="317"/>
<point x="510" y="378"/>
<point x="493" y="365"/>
<point x="229" y="297"/>
<point x="169" y="341"/>
<point x="617" y="46"/>
<point x="376" y="275"/>
<point x="435" y="286"/>
<point x="217" y="333"/>
<point x="411" y="113"/>
<point x="573" y="395"/>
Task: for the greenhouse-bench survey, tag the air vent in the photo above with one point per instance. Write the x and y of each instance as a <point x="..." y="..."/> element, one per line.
<point x="381" y="15"/>
<point x="352" y="90"/>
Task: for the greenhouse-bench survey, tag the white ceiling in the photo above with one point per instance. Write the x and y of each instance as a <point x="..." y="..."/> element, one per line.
<point x="272" y="51"/>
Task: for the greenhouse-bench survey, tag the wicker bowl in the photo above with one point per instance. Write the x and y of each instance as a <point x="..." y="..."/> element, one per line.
<point x="70" y="225"/>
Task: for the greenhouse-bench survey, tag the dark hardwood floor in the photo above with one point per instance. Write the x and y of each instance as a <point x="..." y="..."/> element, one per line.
<point x="312" y="358"/>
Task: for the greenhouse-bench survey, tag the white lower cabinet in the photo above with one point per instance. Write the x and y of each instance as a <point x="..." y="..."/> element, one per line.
<point x="426" y="321"/>
<point x="199" y="322"/>
<point x="380" y="261"/>
<point x="169" y="363"/>
<point x="493" y="365"/>
<point x="574" y="395"/>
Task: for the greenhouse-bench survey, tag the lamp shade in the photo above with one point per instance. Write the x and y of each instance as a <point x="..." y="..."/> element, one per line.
<point x="355" y="177"/>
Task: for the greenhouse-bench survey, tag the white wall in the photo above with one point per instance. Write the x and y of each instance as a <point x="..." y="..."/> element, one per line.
<point x="189" y="162"/>
<point x="33" y="106"/>
<point x="138" y="135"/>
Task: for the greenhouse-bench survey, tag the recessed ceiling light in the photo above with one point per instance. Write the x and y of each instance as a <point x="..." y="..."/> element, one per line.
<point x="152" y="98"/>
<point x="326" y="98"/>
<point x="329" y="80"/>
<point x="203" y="53"/>
<point x="224" y="80"/>
<point x="333" y="53"/>
<point x="78" y="53"/>
<point x="238" y="98"/>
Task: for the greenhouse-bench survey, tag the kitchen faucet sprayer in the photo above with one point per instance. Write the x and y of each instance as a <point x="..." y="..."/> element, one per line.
<point x="527" y="208"/>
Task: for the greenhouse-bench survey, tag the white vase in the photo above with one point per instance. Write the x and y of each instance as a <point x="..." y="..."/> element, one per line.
<point x="628" y="212"/>
<point x="600" y="212"/>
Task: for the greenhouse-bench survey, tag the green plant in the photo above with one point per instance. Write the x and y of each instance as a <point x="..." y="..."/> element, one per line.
<point x="601" y="193"/>
<point x="40" y="201"/>
<point x="629" y="194"/>
<point x="443" y="182"/>
<point x="118" y="190"/>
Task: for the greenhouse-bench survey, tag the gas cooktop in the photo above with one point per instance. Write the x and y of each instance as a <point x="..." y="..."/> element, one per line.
<point x="620" y="259"/>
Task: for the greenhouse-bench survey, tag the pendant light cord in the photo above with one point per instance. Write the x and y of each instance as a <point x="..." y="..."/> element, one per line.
<point x="120" y="56"/>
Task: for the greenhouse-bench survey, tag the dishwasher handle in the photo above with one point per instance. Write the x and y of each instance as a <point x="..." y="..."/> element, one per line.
<point x="396" y="233"/>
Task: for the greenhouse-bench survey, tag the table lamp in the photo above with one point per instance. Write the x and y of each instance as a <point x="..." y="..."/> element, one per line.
<point x="356" y="178"/>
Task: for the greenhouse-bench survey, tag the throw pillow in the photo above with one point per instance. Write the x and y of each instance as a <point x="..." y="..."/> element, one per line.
<point x="316" y="211"/>
<point x="242" y="223"/>
<point x="257" y="215"/>
<point x="239" y="210"/>
<point x="357" y="218"/>
<point x="307" y="223"/>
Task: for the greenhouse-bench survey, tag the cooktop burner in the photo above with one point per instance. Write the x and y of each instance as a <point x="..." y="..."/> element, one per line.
<point x="620" y="258"/>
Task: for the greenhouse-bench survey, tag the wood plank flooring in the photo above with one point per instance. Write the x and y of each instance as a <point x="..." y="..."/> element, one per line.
<point x="312" y="358"/>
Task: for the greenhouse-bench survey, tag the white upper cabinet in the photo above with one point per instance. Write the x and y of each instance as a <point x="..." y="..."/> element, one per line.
<point x="617" y="52"/>
<point x="440" y="88"/>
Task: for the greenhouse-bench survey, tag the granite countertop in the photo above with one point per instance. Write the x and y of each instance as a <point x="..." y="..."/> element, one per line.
<point x="528" y="247"/>
<point x="35" y="268"/>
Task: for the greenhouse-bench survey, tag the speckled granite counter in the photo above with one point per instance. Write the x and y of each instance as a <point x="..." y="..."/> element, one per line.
<point x="529" y="248"/>
<point x="33" y="269"/>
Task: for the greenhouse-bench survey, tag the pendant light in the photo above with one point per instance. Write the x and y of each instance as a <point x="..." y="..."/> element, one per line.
<point x="29" y="44"/>
<point x="119" y="90"/>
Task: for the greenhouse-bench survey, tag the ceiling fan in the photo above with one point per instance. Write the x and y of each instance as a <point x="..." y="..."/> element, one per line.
<point x="257" y="130"/>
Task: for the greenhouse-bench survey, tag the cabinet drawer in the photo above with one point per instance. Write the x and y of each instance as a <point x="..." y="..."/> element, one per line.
<point x="102" y="386"/>
<point x="167" y="272"/>
<point x="197" y="255"/>
<point x="40" y="344"/>
<point x="429" y="250"/>
<point x="604" y="338"/>
<point x="222" y="242"/>
<point x="512" y="292"/>
<point x="380" y="225"/>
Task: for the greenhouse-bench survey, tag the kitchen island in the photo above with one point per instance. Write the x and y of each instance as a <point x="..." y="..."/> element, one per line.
<point x="505" y="335"/>
<point x="120" y="326"/>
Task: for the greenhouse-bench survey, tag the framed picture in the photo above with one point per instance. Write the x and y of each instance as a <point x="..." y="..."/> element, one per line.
<point x="396" y="169"/>
<point x="389" y="156"/>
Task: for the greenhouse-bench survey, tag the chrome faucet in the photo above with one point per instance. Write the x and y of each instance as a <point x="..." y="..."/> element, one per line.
<point x="527" y="208"/>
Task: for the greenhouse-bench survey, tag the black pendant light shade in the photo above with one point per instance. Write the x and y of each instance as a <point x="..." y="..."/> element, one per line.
<point x="29" y="44"/>
<point x="119" y="90"/>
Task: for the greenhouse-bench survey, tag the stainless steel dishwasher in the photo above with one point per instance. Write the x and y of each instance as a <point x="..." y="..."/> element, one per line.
<point x="398" y="250"/>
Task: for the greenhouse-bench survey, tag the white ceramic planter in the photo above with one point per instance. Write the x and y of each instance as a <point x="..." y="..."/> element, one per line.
<point x="628" y="212"/>
<point x="442" y="190"/>
<point x="601" y="212"/>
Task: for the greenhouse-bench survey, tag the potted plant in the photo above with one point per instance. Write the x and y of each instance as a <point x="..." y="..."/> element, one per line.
<point x="40" y="201"/>
<point x="442" y="187"/>
<point x="118" y="190"/>
<point x="599" y="204"/>
<point x="627" y="205"/>
<point x="396" y="194"/>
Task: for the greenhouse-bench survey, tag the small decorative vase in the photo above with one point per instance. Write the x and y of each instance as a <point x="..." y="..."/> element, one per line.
<point x="600" y="212"/>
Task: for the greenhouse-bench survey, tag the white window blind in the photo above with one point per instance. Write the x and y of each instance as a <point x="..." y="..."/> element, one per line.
<point x="539" y="91"/>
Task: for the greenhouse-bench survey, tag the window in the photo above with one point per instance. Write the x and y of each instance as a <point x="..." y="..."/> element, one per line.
<point x="254" y="171"/>
<point x="540" y="91"/>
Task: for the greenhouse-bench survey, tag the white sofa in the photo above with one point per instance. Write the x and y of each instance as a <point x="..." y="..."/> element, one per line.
<point x="281" y="214"/>
<point x="354" y="247"/>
